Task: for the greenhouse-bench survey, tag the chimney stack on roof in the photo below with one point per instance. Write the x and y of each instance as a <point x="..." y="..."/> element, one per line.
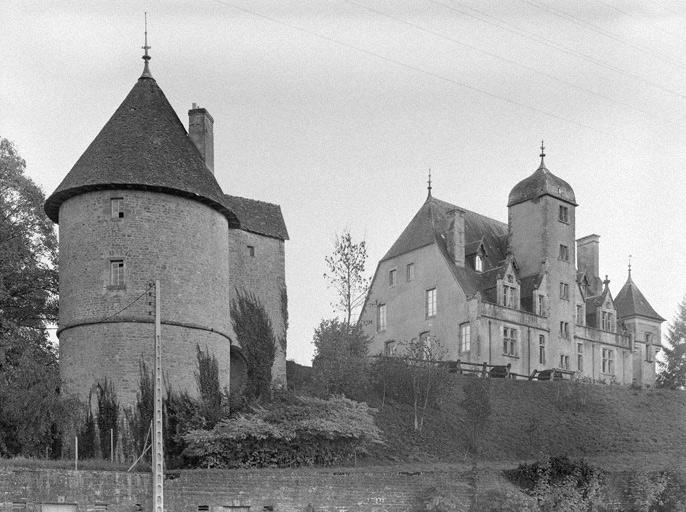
<point x="457" y="237"/>
<point x="588" y="260"/>
<point x="201" y="132"/>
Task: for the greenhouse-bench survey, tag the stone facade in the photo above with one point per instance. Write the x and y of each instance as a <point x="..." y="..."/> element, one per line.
<point x="511" y="294"/>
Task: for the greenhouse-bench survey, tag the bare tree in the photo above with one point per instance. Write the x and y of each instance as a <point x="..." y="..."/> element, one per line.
<point x="346" y="268"/>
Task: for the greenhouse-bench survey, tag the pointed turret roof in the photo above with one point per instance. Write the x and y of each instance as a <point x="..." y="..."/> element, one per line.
<point x="144" y="146"/>
<point x="631" y="302"/>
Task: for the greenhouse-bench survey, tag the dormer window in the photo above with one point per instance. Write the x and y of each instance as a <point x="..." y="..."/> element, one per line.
<point x="478" y="263"/>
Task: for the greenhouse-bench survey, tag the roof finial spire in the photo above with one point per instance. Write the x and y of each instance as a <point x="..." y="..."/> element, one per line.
<point x="146" y="57"/>
<point x="429" y="183"/>
<point x="629" y="266"/>
<point x="542" y="155"/>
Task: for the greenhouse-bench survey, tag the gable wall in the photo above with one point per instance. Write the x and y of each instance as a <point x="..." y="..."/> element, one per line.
<point x="405" y="302"/>
<point x="264" y="275"/>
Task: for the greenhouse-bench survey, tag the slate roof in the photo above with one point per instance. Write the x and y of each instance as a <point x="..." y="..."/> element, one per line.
<point x="541" y="183"/>
<point x="144" y="146"/>
<point x="433" y="223"/>
<point x="257" y="216"/>
<point x="631" y="302"/>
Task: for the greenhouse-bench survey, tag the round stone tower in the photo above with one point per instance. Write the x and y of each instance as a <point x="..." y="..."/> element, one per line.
<point x="140" y="205"/>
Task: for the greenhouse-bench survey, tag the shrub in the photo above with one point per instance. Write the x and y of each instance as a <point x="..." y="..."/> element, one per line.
<point x="86" y="434"/>
<point x="255" y="335"/>
<point x="477" y="405"/>
<point x="339" y="366"/>
<point x="289" y="432"/>
<point x="108" y="416"/>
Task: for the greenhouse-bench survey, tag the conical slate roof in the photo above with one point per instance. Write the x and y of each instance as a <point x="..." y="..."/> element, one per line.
<point x="541" y="183"/>
<point x="144" y="146"/>
<point x="631" y="302"/>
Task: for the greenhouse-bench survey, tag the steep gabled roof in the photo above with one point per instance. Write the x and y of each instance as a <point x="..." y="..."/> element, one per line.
<point x="144" y="146"/>
<point x="432" y="224"/>
<point x="257" y="216"/>
<point x="631" y="302"/>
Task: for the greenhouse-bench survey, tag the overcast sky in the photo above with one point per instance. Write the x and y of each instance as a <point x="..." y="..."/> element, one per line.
<point x="336" y="109"/>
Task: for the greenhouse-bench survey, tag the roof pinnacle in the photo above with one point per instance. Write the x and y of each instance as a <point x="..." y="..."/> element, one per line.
<point x="146" y="57"/>
<point x="542" y="155"/>
<point x="629" y="266"/>
<point x="429" y="184"/>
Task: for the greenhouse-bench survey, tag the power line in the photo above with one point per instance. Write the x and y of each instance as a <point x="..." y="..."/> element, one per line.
<point x="602" y="31"/>
<point x="150" y="287"/>
<point x="625" y="13"/>
<point x="505" y="59"/>
<point x="503" y="25"/>
<point x="422" y="71"/>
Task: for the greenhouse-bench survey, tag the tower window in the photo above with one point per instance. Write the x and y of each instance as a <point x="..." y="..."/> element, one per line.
<point x="564" y="330"/>
<point x="564" y="252"/>
<point x="541" y="349"/>
<point x="117" y="207"/>
<point x="564" y="214"/>
<point x="251" y="251"/>
<point x="117" y="273"/>
<point x="564" y="291"/>
<point x="649" y="348"/>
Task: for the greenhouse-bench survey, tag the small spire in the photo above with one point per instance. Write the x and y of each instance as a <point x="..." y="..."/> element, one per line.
<point x="146" y="57"/>
<point x="629" y="266"/>
<point x="542" y="155"/>
<point x="429" y="183"/>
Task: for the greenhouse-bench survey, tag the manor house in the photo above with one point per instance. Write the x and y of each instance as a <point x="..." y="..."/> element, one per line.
<point x="526" y="293"/>
<point x="142" y="204"/>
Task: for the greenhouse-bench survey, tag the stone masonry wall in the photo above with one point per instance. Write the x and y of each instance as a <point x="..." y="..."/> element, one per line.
<point x="182" y="243"/>
<point x="264" y="275"/>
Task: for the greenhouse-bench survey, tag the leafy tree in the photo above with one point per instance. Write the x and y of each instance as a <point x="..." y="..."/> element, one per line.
<point x="29" y="376"/>
<point x="346" y="267"/>
<point x="255" y="334"/>
<point x="207" y="378"/>
<point x="340" y="359"/>
<point x="673" y="370"/>
<point x="477" y="404"/>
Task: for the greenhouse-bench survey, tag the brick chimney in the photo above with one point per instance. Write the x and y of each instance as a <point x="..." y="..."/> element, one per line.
<point x="587" y="258"/>
<point x="457" y="238"/>
<point x="201" y="132"/>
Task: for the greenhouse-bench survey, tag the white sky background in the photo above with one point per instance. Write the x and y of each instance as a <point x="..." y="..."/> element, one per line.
<point x="342" y="138"/>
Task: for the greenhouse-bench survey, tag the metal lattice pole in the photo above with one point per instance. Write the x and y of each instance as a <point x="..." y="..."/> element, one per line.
<point x="158" y="443"/>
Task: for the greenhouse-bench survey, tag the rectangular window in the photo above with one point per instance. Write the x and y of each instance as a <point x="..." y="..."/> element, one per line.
<point x="409" y="272"/>
<point x="117" y="207"/>
<point x="430" y="305"/>
<point x="381" y="317"/>
<point x="649" y="348"/>
<point x="564" y="252"/>
<point x="117" y="273"/>
<point x="564" y="291"/>
<point x="564" y="362"/>
<point x="465" y="337"/>
<point x="603" y="322"/>
<point x="579" y="314"/>
<point x="564" y="330"/>
<point x="541" y="305"/>
<point x="478" y="263"/>
<point x="509" y="296"/>
<point x="392" y="277"/>
<point x="251" y="251"/>
<point x="509" y="341"/>
<point x="564" y="214"/>
<point x="541" y="349"/>
<point x="390" y="348"/>
<point x="608" y="361"/>
<point x="610" y="322"/>
<point x="580" y="357"/>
